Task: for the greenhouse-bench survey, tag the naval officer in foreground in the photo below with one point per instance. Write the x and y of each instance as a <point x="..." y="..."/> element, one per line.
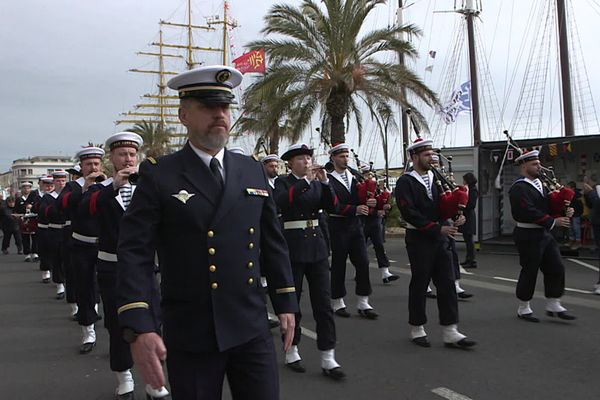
<point x="209" y="214"/>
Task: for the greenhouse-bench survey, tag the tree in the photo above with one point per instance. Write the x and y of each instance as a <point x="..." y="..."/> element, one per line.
<point x="265" y="115"/>
<point x="156" y="138"/>
<point x="320" y="59"/>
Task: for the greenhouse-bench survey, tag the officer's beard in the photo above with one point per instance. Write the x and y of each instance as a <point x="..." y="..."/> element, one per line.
<point x="211" y="140"/>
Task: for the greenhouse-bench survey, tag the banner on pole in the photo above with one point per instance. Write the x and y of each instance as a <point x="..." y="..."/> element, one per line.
<point x="253" y="61"/>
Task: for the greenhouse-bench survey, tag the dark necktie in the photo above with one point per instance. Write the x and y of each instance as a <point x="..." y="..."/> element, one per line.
<point x="214" y="168"/>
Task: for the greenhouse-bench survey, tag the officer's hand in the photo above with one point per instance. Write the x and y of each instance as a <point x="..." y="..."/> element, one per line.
<point x="460" y="220"/>
<point x="122" y="177"/>
<point x="387" y="206"/>
<point x="148" y="350"/>
<point x="381" y="213"/>
<point x="449" y="230"/>
<point x="362" y="210"/>
<point x="28" y="206"/>
<point x="563" y="222"/>
<point x="570" y="211"/>
<point x="371" y="202"/>
<point x="287" y="323"/>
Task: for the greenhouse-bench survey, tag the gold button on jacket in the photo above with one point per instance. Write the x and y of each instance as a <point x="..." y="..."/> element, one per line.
<point x="212" y="268"/>
<point x="214" y="285"/>
<point x="212" y="251"/>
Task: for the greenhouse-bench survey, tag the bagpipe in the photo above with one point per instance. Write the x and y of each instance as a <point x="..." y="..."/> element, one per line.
<point x="559" y="196"/>
<point x="368" y="189"/>
<point x="453" y="198"/>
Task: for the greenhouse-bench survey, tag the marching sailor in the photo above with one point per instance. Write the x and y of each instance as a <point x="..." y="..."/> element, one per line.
<point x="538" y="250"/>
<point x="347" y="237"/>
<point x="84" y="250"/>
<point x="427" y="247"/>
<point x="300" y="196"/>
<point x="46" y="186"/>
<point x="108" y="201"/>
<point x="56" y="223"/>
<point x="24" y="205"/>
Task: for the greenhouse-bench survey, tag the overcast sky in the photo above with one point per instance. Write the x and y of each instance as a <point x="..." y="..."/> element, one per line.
<point x="64" y="62"/>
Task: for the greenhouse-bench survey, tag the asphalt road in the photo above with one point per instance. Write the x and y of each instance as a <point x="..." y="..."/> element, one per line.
<point x="514" y="359"/>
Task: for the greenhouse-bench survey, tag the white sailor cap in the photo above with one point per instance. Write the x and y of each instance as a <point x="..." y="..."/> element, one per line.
<point x="210" y="84"/>
<point x="89" y="152"/>
<point x="419" y="145"/>
<point x="338" y="148"/>
<point x="124" y="139"/>
<point x="75" y="169"/>
<point x="47" y="179"/>
<point x="237" y="150"/>
<point x="364" y="168"/>
<point x="528" y="156"/>
<point x="26" y="183"/>
<point x="59" y="173"/>
<point x="296" y="150"/>
<point x="269" y="158"/>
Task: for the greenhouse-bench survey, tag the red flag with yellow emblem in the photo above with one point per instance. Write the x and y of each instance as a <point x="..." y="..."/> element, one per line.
<point x="253" y="61"/>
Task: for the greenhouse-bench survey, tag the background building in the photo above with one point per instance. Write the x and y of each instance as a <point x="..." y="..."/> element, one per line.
<point x="31" y="168"/>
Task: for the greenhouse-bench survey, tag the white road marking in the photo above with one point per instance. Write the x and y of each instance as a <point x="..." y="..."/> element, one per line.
<point x="583" y="264"/>
<point x="505" y="279"/>
<point x="449" y="394"/>
<point x="306" y="332"/>
<point x="568" y="289"/>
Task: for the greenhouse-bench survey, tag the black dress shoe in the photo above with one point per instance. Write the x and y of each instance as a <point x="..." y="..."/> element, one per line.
<point x="86" y="347"/>
<point x="421" y="341"/>
<point x="296" y="366"/>
<point x="470" y="265"/>
<point x="461" y="344"/>
<point x="341" y="312"/>
<point x="125" y="396"/>
<point x="60" y="296"/>
<point x="368" y="314"/>
<point x="528" y="317"/>
<point x="464" y="295"/>
<point x="561" y="315"/>
<point x="430" y="295"/>
<point x="273" y="323"/>
<point x="334" y="373"/>
<point x="390" y="278"/>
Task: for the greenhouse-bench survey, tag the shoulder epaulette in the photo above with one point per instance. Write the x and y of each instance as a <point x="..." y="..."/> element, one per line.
<point x="152" y="160"/>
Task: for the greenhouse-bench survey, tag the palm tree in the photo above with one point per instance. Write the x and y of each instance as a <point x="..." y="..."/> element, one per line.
<point x="319" y="59"/>
<point x="265" y="115"/>
<point x="156" y="137"/>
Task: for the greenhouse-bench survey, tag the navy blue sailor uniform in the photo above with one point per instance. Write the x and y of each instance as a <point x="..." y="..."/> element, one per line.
<point x="427" y="249"/>
<point x="347" y="238"/>
<point x="213" y="245"/>
<point x="43" y="241"/>
<point x="56" y="222"/>
<point x="109" y="205"/>
<point x="29" y="237"/>
<point x="84" y="252"/>
<point x="300" y="202"/>
<point x="538" y="250"/>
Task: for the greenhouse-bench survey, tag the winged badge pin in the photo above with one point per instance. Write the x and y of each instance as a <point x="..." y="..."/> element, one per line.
<point x="183" y="196"/>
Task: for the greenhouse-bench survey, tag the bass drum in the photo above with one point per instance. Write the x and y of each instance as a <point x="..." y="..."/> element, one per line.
<point x="28" y="225"/>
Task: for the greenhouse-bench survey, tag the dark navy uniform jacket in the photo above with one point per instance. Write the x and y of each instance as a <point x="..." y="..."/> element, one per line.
<point x="82" y="223"/>
<point x="21" y="204"/>
<point x="299" y="200"/>
<point x="104" y="204"/>
<point x="208" y="245"/>
<point x="528" y="205"/>
<point x="347" y="200"/>
<point x="417" y="208"/>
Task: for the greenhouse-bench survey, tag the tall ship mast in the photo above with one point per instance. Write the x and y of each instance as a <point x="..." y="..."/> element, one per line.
<point x="160" y="107"/>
